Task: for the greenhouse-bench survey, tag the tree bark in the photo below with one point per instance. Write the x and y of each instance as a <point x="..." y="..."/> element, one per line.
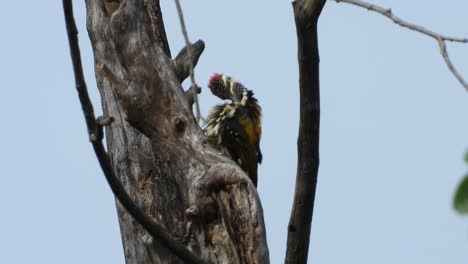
<point x="158" y="150"/>
<point x="306" y="14"/>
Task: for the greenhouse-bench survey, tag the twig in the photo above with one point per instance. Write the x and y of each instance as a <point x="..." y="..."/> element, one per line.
<point x="156" y="230"/>
<point x="441" y="39"/>
<point x="189" y="51"/>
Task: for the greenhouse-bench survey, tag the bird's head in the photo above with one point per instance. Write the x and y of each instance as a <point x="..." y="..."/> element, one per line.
<point x="219" y="86"/>
<point x="225" y="87"/>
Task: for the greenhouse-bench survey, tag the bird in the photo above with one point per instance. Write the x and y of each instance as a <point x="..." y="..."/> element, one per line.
<point x="235" y="127"/>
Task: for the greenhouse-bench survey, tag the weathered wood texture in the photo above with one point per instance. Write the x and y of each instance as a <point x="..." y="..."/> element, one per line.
<point x="306" y="14"/>
<point x="159" y="151"/>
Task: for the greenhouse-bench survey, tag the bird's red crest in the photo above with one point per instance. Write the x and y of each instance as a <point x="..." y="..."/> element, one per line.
<point x="214" y="78"/>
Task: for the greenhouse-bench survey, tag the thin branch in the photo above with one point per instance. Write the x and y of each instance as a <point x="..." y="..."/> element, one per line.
<point x="306" y="14"/>
<point x="158" y="231"/>
<point x="443" y="51"/>
<point x="441" y="39"/>
<point x="189" y="51"/>
<point x="80" y="83"/>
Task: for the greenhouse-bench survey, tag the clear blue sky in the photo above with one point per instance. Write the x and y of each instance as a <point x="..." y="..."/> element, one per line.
<point x="394" y="130"/>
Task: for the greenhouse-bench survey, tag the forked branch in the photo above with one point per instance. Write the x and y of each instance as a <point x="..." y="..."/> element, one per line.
<point x="441" y="39"/>
<point x="94" y="126"/>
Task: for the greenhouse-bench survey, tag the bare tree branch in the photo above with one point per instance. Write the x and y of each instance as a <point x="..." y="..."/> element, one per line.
<point x="159" y="232"/>
<point x="441" y="39"/>
<point x="306" y="13"/>
<point x="194" y="86"/>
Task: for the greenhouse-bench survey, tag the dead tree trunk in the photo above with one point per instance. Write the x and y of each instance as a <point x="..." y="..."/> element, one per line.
<point x="159" y="152"/>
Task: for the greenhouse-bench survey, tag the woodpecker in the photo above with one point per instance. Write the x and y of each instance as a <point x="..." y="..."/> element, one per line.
<point x="235" y="127"/>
